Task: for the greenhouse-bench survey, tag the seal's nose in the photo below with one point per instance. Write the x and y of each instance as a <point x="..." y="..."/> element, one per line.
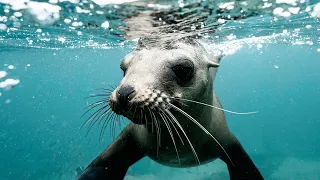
<point x="123" y="96"/>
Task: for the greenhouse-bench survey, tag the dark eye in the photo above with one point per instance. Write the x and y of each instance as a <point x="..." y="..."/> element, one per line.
<point x="184" y="70"/>
<point x="123" y="69"/>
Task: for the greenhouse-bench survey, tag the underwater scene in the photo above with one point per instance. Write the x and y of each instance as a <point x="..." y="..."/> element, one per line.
<point x="60" y="58"/>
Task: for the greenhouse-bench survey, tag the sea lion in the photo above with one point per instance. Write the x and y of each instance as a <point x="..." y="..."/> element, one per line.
<point x="176" y="118"/>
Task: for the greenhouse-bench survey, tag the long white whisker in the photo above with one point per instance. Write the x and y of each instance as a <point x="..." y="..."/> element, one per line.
<point x="201" y="127"/>
<point x="184" y="133"/>
<point x="158" y="132"/>
<point x="170" y="120"/>
<point x="233" y="112"/>
<point x="171" y="135"/>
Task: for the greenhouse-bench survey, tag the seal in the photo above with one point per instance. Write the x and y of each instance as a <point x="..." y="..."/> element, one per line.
<point x="176" y="118"/>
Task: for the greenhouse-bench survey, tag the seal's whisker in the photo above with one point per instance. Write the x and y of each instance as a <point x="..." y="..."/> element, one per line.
<point x="135" y="109"/>
<point x="145" y="118"/>
<point x="233" y="112"/>
<point x="170" y="120"/>
<point x="106" y="122"/>
<point x="114" y="126"/>
<point x="152" y="119"/>
<point x="158" y="134"/>
<point x="97" y="95"/>
<point x="93" y="117"/>
<point x="88" y="119"/>
<point x="97" y="114"/>
<point x="92" y="106"/>
<point x="95" y="103"/>
<point x="171" y="135"/>
<point x="141" y="116"/>
<point x="201" y="127"/>
<point x="112" y="87"/>
<point x="184" y="133"/>
<point x="104" y="89"/>
<point x="107" y="114"/>
<point x="112" y="123"/>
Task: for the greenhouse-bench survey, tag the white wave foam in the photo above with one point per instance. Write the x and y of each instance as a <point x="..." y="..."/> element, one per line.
<point x="230" y="47"/>
<point x="106" y="2"/>
<point x="9" y="83"/>
<point x="43" y="13"/>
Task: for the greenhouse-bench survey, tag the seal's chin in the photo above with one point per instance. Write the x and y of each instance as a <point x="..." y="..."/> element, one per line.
<point x="134" y="117"/>
<point x="137" y="116"/>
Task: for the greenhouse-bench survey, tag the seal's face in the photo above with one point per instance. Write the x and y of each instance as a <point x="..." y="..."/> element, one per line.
<point x="156" y="78"/>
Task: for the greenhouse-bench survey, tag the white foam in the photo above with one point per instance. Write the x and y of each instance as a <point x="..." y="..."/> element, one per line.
<point x="67" y="21"/>
<point x="230" y="47"/>
<point x="17" y="14"/>
<point x="316" y="11"/>
<point x="16" y="4"/>
<point x="43" y="13"/>
<point x="3" y="74"/>
<point x="226" y="5"/>
<point x="277" y="11"/>
<point x="71" y="1"/>
<point x="294" y="10"/>
<point x="290" y="2"/>
<point x="9" y="83"/>
<point x="62" y="39"/>
<point x="106" y="2"/>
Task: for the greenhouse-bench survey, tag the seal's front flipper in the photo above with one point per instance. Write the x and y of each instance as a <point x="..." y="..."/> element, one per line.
<point x="113" y="163"/>
<point x="242" y="167"/>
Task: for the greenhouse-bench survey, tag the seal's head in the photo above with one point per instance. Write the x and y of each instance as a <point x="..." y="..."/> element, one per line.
<point x="157" y="75"/>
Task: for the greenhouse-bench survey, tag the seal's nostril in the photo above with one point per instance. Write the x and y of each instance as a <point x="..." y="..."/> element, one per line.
<point x="123" y="96"/>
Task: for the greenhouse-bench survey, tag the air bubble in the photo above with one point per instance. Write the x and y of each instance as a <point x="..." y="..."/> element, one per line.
<point x="3" y="74"/>
<point x="105" y="25"/>
<point x="3" y="26"/>
<point x="11" y="67"/>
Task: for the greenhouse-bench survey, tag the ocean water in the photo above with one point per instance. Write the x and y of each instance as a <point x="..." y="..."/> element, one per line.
<point x="271" y="67"/>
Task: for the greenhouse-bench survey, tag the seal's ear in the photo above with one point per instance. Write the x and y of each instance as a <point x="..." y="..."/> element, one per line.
<point x="216" y="58"/>
<point x="215" y="62"/>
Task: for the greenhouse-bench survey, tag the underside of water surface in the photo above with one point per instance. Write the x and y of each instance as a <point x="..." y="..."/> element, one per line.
<point x="55" y="53"/>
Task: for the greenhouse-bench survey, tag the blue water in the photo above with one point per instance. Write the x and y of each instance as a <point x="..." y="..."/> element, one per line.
<point x="40" y="135"/>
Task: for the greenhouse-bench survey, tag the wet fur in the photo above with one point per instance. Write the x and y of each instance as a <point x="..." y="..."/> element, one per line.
<point x="146" y="68"/>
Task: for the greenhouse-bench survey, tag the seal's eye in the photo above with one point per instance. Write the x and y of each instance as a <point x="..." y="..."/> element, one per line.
<point x="184" y="70"/>
<point x="123" y="69"/>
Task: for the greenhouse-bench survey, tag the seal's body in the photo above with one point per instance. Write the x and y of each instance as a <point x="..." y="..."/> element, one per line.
<point x="167" y="93"/>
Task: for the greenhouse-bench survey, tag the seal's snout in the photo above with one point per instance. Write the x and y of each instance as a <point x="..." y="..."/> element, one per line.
<point x="122" y="98"/>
